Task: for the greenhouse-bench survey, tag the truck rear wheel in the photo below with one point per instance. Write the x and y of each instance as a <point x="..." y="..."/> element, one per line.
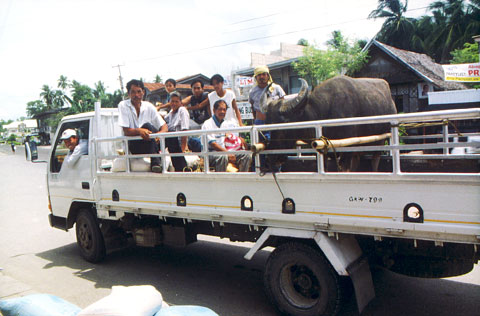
<point x="89" y="237"/>
<point x="300" y="281"/>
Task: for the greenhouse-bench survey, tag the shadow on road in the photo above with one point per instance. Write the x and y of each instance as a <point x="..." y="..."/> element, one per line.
<point x="216" y="275"/>
<point x="205" y="273"/>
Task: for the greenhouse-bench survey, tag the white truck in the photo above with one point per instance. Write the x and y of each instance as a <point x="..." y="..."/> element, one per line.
<point x="326" y="227"/>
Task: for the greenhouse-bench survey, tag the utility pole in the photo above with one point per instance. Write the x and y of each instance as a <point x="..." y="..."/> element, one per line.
<point x="120" y="79"/>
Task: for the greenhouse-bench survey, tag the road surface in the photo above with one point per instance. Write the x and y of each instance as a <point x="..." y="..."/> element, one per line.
<point x="35" y="258"/>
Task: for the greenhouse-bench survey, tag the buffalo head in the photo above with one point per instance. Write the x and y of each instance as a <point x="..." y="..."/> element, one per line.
<point x="285" y="110"/>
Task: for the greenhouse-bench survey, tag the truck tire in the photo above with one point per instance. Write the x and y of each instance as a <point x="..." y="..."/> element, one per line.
<point x="89" y="237"/>
<point x="299" y="281"/>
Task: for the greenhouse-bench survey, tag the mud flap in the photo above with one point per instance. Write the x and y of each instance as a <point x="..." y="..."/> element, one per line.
<point x="361" y="277"/>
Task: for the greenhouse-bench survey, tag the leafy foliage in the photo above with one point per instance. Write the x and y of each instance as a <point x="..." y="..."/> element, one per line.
<point x="468" y="54"/>
<point x="451" y="24"/>
<point x="339" y="58"/>
<point x="302" y="42"/>
<point x="2" y="123"/>
<point x="158" y="79"/>
<point x="74" y="97"/>
<point x="12" y="138"/>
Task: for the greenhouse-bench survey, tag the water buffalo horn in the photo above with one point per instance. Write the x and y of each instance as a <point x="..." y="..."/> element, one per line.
<point x="287" y="106"/>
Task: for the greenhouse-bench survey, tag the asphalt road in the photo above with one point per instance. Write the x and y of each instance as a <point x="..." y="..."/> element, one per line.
<point x="35" y="258"/>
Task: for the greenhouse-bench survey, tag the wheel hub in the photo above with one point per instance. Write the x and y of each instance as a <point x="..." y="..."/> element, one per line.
<point x="305" y="282"/>
<point x="84" y="236"/>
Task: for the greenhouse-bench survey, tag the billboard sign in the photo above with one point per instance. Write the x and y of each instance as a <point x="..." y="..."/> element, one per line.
<point x="462" y="72"/>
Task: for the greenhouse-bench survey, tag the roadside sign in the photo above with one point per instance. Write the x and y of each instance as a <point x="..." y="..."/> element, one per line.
<point x="245" y="109"/>
<point x="462" y="72"/>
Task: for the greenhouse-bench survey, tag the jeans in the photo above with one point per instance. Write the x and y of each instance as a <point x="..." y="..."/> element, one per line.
<point x="220" y="162"/>
<point x="141" y="146"/>
<point x="173" y="145"/>
<point x="195" y="144"/>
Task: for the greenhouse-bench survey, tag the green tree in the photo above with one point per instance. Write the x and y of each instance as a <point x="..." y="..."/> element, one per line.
<point x="451" y="23"/>
<point x="302" y="42"/>
<point x="113" y="99"/>
<point x="63" y="82"/>
<point x="339" y="58"/>
<point x="158" y="79"/>
<point x="2" y="123"/>
<point x="12" y="138"/>
<point x="47" y="95"/>
<point x="35" y="107"/>
<point x="83" y="99"/>
<point x="397" y="29"/>
<point x="468" y="54"/>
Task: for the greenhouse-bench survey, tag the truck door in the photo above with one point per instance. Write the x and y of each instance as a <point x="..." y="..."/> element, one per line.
<point x="70" y="181"/>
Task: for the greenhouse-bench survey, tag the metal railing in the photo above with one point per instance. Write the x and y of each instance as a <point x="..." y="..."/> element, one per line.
<point x="394" y="146"/>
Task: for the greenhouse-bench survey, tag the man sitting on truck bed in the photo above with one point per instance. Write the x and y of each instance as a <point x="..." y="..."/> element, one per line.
<point x="140" y="118"/>
<point x="216" y="142"/>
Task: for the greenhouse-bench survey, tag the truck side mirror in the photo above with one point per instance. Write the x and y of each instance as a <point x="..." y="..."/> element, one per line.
<point x="31" y="151"/>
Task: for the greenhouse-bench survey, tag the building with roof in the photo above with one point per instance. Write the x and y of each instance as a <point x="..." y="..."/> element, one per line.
<point x="279" y="63"/>
<point x="44" y="120"/>
<point x="189" y="79"/>
<point x="156" y="92"/>
<point x="411" y="76"/>
<point x="20" y="129"/>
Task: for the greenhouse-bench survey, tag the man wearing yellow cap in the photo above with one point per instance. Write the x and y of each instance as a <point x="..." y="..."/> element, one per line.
<point x="262" y="79"/>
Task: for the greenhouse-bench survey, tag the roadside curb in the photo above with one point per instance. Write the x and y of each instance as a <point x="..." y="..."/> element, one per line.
<point x="9" y="287"/>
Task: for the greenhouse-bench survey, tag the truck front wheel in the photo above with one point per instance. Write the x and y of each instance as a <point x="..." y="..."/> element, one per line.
<point x="300" y="281"/>
<point x="89" y="237"/>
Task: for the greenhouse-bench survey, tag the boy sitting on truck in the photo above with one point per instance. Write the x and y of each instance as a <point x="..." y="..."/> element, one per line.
<point x="177" y="120"/>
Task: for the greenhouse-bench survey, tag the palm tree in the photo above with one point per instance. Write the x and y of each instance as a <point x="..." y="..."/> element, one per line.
<point x="455" y="24"/>
<point x="99" y="91"/>
<point x="48" y="95"/>
<point x="82" y="98"/>
<point x="63" y="82"/>
<point x="397" y="30"/>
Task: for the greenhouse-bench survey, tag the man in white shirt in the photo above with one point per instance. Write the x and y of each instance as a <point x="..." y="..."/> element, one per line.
<point x="216" y="142"/>
<point x="76" y="147"/>
<point x="140" y="118"/>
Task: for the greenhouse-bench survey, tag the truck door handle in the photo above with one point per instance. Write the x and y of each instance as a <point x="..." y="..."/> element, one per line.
<point x="85" y="185"/>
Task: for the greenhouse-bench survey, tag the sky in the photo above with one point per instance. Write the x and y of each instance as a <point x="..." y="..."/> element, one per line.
<point x="84" y="40"/>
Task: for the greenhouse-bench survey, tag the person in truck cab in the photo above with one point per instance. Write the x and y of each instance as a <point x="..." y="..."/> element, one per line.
<point x="76" y="147"/>
<point x="140" y="118"/>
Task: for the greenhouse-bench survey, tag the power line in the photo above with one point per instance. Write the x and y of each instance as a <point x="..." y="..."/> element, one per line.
<point x="257" y="18"/>
<point x="256" y="38"/>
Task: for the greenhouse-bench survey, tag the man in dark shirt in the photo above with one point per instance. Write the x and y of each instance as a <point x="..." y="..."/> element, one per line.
<point x="198" y="112"/>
